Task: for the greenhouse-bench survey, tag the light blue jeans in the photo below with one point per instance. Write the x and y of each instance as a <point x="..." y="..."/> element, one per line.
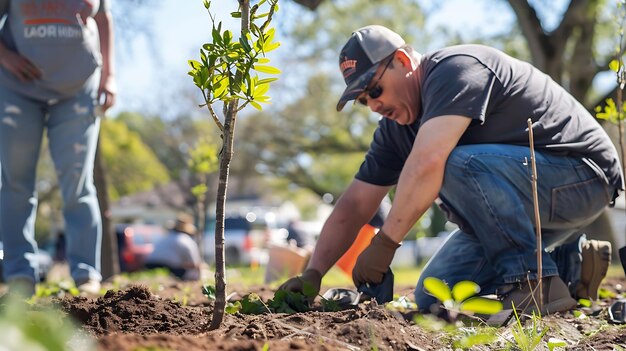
<point x="72" y="130"/>
<point x="487" y="191"/>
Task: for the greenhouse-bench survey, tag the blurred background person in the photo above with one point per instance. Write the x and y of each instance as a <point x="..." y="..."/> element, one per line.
<point x="178" y="251"/>
<point x="56" y="64"/>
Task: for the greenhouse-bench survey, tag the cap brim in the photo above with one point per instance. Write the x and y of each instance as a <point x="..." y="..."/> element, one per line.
<point x="356" y="88"/>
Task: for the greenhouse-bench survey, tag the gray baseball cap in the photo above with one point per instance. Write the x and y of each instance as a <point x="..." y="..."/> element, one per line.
<point x="360" y="58"/>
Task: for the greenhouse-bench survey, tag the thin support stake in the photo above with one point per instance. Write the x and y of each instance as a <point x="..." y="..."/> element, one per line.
<point x="537" y="219"/>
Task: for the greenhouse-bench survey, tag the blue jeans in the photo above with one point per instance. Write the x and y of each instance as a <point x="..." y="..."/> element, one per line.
<point x="72" y="130"/>
<point x="487" y="191"/>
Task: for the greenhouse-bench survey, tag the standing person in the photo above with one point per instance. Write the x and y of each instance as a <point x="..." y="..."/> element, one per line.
<point x="56" y="63"/>
<point x="455" y="127"/>
<point x="177" y="251"/>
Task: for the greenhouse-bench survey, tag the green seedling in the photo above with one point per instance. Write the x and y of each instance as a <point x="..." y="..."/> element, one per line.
<point x="462" y="299"/>
<point x="24" y="327"/>
<point x="283" y="302"/>
<point x="55" y="289"/>
<point x="209" y="291"/>
<point x="401" y="304"/>
<point x="330" y="305"/>
<point x="528" y="338"/>
<point x="604" y="294"/>
<point x="585" y="302"/>
<point x="554" y="342"/>
<point x="471" y="337"/>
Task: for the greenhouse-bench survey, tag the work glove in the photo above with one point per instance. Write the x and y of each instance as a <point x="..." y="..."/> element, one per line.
<point x="374" y="261"/>
<point x="311" y="278"/>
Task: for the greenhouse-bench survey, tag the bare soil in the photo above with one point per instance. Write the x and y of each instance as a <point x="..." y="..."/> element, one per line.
<point x="175" y="315"/>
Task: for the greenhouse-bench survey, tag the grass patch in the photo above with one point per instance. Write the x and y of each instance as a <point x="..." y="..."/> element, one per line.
<point x="251" y="276"/>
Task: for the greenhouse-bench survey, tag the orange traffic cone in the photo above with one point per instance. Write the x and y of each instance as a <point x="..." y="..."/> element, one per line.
<point x="348" y="260"/>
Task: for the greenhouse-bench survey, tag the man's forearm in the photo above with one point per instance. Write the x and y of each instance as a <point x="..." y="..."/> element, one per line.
<point x="353" y="210"/>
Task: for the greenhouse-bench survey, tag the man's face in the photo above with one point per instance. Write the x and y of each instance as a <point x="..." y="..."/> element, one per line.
<point x="392" y="92"/>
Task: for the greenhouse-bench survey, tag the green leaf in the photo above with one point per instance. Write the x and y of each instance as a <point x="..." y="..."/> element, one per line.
<point x="260" y="90"/>
<point x="219" y="86"/>
<point x="266" y="69"/>
<point x="309" y="290"/>
<point x="267" y="47"/>
<point x="614" y="65"/>
<point x="207" y="4"/>
<point x="554" y="342"/>
<point x="584" y="302"/>
<point x="438" y="289"/>
<point x="264" y="99"/>
<point x="194" y="64"/>
<point x="235" y="14"/>
<point x="482" y="305"/>
<point x="232" y="308"/>
<point x="244" y="44"/>
<point x="251" y="304"/>
<point x="209" y="291"/>
<point x="260" y="16"/>
<point x="256" y="105"/>
<point x="199" y="189"/>
<point x="217" y="38"/>
<point x="266" y="80"/>
<point x="262" y="60"/>
<point x="330" y="305"/>
<point x="228" y="36"/>
<point x="464" y="289"/>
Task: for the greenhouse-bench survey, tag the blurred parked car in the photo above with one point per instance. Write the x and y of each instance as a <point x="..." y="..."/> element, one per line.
<point x="44" y="261"/>
<point x="135" y="242"/>
<point x="246" y="239"/>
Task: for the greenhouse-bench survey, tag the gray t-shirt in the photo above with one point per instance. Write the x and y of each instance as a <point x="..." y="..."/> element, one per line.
<point x="60" y="37"/>
<point x="499" y="93"/>
<point x="175" y="250"/>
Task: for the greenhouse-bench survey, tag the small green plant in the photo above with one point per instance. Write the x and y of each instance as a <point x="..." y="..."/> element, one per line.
<point x="60" y="288"/>
<point x="528" y="338"/>
<point x="554" y="342"/>
<point x="462" y="299"/>
<point x="401" y="304"/>
<point x="23" y="327"/>
<point x="283" y="302"/>
<point x="183" y="299"/>
<point x="470" y="337"/>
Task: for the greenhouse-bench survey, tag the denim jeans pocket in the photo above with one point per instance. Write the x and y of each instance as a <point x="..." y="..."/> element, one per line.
<point x="577" y="202"/>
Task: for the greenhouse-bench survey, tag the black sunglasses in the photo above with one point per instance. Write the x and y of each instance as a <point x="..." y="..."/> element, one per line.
<point x="376" y="91"/>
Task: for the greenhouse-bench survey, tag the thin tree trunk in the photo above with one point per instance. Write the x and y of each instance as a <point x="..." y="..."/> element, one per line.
<point x="220" y="204"/>
<point x="110" y="264"/>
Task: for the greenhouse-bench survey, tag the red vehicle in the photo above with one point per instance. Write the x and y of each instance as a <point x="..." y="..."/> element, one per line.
<point x="135" y="242"/>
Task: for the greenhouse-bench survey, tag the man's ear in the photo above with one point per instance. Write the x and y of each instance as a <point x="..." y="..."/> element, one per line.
<point x="405" y="58"/>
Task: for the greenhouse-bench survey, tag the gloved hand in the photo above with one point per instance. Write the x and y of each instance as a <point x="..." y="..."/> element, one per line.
<point x="374" y="261"/>
<point x="310" y="277"/>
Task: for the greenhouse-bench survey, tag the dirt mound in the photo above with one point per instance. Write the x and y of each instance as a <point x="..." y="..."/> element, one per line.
<point x="134" y="317"/>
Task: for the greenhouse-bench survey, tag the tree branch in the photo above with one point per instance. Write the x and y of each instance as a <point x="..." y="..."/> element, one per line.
<point x="538" y="41"/>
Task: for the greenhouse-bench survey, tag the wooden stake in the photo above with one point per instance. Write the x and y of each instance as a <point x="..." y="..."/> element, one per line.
<point x="537" y="219"/>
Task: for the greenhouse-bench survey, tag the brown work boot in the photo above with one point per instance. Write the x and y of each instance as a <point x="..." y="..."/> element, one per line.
<point x="596" y="258"/>
<point x="556" y="297"/>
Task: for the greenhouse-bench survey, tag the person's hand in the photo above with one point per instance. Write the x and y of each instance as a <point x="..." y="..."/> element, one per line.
<point x="106" y="92"/>
<point x="19" y="66"/>
<point x="374" y="261"/>
<point x="308" y="283"/>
